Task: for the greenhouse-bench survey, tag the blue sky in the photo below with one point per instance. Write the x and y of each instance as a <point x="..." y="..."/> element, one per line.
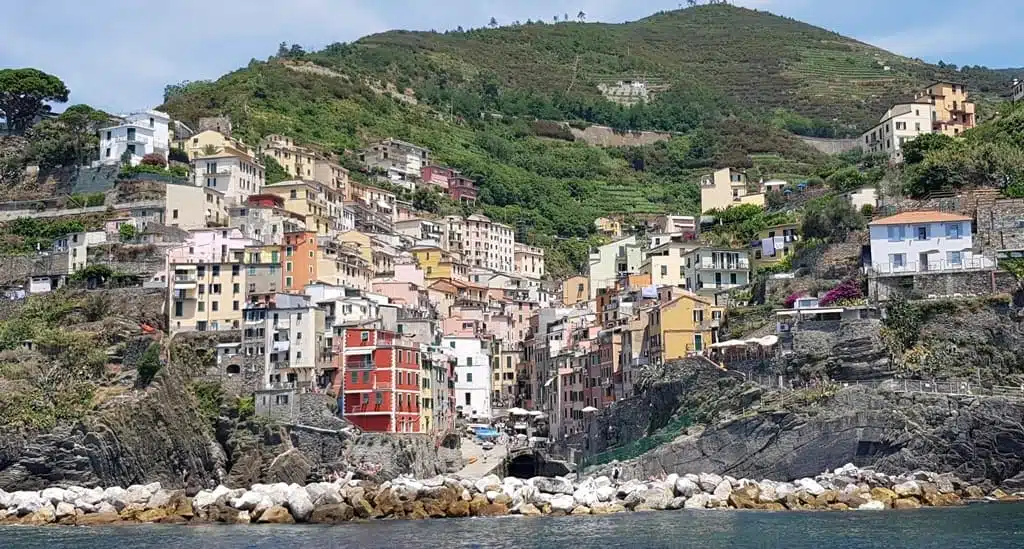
<point x="119" y="54"/>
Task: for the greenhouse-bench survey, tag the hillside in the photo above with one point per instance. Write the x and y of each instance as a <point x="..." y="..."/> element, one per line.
<point x="760" y="62"/>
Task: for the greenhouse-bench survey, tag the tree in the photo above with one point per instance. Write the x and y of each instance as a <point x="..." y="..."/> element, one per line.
<point x="846" y="179"/>
<point x="493" y="23"/>
<point x="49" y="145"/>
<point x="830" y="218"/>
<point x="426" y="199"/>
<point x="178" y="154"/>
<point x="274" y="172"/>
<point x="148" y="366"/>
<point x="582" y="16"/>
<point x="127" y="232"/>
<point x="23" y="93"/>
<point x="210" y="150"/>
<point x="81" y="123"/>
<point x="154" y="159"/>
<point x="915" y="150"/>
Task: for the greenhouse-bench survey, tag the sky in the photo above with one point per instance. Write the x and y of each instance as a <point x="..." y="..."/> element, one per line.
<point x="118" y="54"/>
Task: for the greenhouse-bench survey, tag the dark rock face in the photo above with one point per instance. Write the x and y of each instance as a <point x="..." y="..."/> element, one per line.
<point x="156" y="438"/>
<point x="975" y="438"/>
<point x="851" y="350"/>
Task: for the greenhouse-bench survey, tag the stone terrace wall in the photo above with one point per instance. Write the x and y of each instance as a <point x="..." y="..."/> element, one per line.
<point x="943" y="284"/>
<point x="603" y="136"/>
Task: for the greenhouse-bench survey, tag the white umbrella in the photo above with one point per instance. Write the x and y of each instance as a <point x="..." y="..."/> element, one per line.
<point x="588" y="410"/>
<point x="536" y="413"/>
<point x="517" y="411"/>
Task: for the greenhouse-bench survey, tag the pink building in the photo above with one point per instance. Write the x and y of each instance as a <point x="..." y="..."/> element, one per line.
<point x="399" y="292"/>
<point x="437" y="175"/>
<point x="409" y="272"/>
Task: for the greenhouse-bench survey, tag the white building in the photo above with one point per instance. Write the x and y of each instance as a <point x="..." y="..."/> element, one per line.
<point x="77" y="247"/>
<point x="289" y="340"/>
<point x="472" y="375"/>
<point x="901" y="123"/>
<point x="482" y="242"/>
<point x="711" y="270"/>
<point x="609" y="262"/>
<point x="236" y="176"/>
<point x="1018" y="90"/>
<point x="140" y="134"/>
<point x="923" y="241"/>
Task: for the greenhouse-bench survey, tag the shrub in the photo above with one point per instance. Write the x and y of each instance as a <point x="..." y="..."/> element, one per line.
<point x="867" y="210"/>
<point x="848" y="289"/>
<point x="127" y="232"/>
<point x="153" y="159"/>
<point x="148" y="365"/>
<point x="178" y="155"/>
<point x="791" y="299"/>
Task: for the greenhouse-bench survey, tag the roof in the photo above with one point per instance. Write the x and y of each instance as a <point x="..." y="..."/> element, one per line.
<point x="926" y="216"/>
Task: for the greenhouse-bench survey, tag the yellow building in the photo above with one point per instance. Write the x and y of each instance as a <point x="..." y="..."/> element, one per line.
<point x="341" y="264"/>
<point x="724" y="188"/>
<point x="207" y="281"/>
<point x="575" y="290"/>
<point x="953" y="114"/>
<point x="361" y="241"/>
<point x="298" y="161"/>
<point x="318" y="205"/>
<point x="608" y="227"/>
<point x="333" y="175"/>
<point x="682" y="324"/>
<point x="437" y="263"/>
<point x="666" y="264"/>
<point x="776" y="243"/>
<point x="212" y="143"/>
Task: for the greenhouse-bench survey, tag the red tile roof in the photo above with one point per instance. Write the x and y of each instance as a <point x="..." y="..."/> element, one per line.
<point x="909" y="218"/>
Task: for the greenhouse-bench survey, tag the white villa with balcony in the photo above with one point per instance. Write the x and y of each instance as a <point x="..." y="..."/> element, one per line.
<point x="922" y="242"/>
<point x="140" y="133"/>
<point x="711" y="270"/>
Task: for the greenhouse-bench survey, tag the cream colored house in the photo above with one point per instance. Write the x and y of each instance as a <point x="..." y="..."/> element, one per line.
<point x="206" y="281"/>
<point x="900" y="124"/>
<point x="666" y="263"/>
<point x="529" y="260"/>
<point x="210" y="141"/>
<point x="953" y="114"/>
<point x="298" y="161"/>
<point x="237" y="176"/>
<point x="333" y="175"/>
<point x="724" y="188"/>
<point x="320" y="206"/>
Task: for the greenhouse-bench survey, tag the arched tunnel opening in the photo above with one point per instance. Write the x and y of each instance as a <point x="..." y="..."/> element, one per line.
<point x="534" y="464"/>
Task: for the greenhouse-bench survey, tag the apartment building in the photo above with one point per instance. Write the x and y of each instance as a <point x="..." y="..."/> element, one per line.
<point x="774" y="244"/>
<point x="341" y="264"/>
<point x="298" y="161"/>
<point x="712" y="270"/>
<point x="399" y="161"/>
<point x="263" y="272"/>
<point x="529" y="260"/>
<point x="206" y="281"/>
<point x="724" y="188"/>
<point x="379" y="381"/>
<point x="211" y="142"/>
<point x="264" y="219"/>
<point x="137" y="135"/>
<point x="611" y="261"/>
<point x="666" y="263"/>
<point x="421" y="229"/>
<point x="472" y="375"/>
<point x="173" y="204"/>
<point x="300" y="261"/>
<point x="332" y="175"/>
<point x="237" y="176"/>
<point x="923" y="241"/>
<point x="487" y="243"/>
<point x="286" y="337"/>
<point x="953" y="114"/>
<point x="319" y="206"/>
<point x="1017" y="90"/>
<point x="439" y="264"/>
<point x="575" y="290"/>
<point x="680" y="325"/>
<point x="76" y="245"/>
<point x="900" y="124"/>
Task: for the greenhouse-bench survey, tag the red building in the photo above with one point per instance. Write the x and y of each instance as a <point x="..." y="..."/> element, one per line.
<point x="462" y="189"/>
<point x="265" y="201"/>
<point x="437" y="175"/>
<point x="379" y="381"/>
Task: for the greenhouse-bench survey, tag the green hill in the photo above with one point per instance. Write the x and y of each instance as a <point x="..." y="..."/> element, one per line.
<point x="736" y="80"/>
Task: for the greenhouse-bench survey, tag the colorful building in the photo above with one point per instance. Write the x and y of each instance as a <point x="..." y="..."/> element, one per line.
<point x="379" y="381"/>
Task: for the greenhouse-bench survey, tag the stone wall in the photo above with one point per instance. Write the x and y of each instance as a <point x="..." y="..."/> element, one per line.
<point x="922" y="285"/>
<point x="830" y="146"/>
<point x="603" y="136"/>
<point x="1001" y="226"/>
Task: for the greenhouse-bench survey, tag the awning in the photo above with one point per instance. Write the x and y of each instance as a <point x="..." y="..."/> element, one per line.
<point x="730" y="343"/>
<point x="358" y="351"/>
<point x="820" y="311"/>
<point x="548" y="382"/>
<point x="787" y="313"/>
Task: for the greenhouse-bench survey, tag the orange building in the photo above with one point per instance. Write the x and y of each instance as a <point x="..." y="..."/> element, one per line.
<point x="300" y="261"/>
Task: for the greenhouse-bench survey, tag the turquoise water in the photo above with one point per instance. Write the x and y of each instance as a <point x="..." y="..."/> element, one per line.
<point x="976" y="526"/>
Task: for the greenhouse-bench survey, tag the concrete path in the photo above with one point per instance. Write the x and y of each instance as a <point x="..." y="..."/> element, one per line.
<point x="486" y="460"/>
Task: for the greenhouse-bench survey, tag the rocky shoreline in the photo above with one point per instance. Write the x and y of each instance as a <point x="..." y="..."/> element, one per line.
<point x="846" y="488"/>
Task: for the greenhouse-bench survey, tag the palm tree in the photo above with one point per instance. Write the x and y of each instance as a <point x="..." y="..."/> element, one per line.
<point x="582" y="16"/>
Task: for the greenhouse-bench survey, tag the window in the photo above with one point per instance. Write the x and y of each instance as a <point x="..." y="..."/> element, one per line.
<point x="901" y="125"/>
<point x="953" y="231"/>
<point x="732" y="278"/>
<point x="469" y="361"/>
<point x="379" y="398"/>
<point x="664" y="270"/>
<point x="955" y="258"/>
<point x="897" y="260"/>
<point x="234" y="305"/>
<point x="922" y="233"/>
<point x="179" y="308"/>
<point x="201" y="307"/>
<point x="366" y="376"/>
<point x="216" y="305"/>
<point x="288" y="266"/>
<point x="288" y="281"/>
<point x="469" y="399"/>
<point x="216" y="270"/>
<point x="895" y="232"/>
<point x="292" y="194"/>
<point x="364" y="336"/>
<point x="355" y="377"/>
<point x="469" y="377"/>
<point x="108" y="152"/>
<point x="917" y="126"/>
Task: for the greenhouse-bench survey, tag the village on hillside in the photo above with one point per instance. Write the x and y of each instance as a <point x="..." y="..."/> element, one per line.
<point x="322" y="284"/>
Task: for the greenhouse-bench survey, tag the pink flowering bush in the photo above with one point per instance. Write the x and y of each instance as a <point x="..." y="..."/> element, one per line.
<point x="848" y="289"/>
<point x="791" y="300"/>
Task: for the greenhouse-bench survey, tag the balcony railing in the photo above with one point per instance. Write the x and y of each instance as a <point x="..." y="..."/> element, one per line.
<point x="741" y="265"/>
<point x="914" y="267"/>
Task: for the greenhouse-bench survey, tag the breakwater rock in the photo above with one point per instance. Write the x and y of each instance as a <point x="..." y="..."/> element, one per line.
<point x="846" y="488"/>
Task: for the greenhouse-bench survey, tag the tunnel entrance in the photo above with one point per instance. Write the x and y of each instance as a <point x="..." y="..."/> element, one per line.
<point x="534" y="464"/>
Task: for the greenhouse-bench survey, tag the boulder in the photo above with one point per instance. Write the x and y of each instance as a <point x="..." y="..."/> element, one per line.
<point x="118" y="497"/>
<point x="105" y="508"/>
<point x="166" y="499"/>
<point x="784" y="490"/>
<point x="605" y="493"/>
<point x="300" y="505"/>
<point x="247" y="501"/>
<point x="810" y="486"/>
<point x="529" y="510"/>
<point x="5" y="500"/>
<point x="220" y="511"/>
<point x="563" y="502"/>
<point x="97" y="519"/>
<point x="708" y="482"/>
<point x="154" y="515"/>
<point x="766" y="492"/>
<point x="629" y="487"/>
<point x="585" y="495"/>
<point x="853" y="500"/>
<point x="685" y="487"/>
<point x="64" y="509"/>
<point x="492" y="510"/>
<point x="243" y="517"/>
<point x="906" y="503"/>
<point x="332" y="514"/>
<point x="458" y="508"/>
<point x="580" y="510"/>
<point x="607" y="509"/>
<point x="745" y="497"/>
<point x="873" y="505"/>
<point x="945" y="483"/>
<point x="84" y="506"/>
<point x="46" y="514"/>
<point x="363" y="509"/>
<point x="602" y="482"/>
<point x="138" y="495"/>
<point x="697" y="501"/>
<point x="723" y="490"/>
<point x="25" y="503"/>
<point x="490" y="482"/>
<point x="478" y="502"/>
<point x="884" y="495"/>
<point x="907" y="489"/>
<point x="291" y="466"/>
<point x="276" y="515"/>
<point x="202" y="500"/>
<point x="974" y="492"/>
<point x="555" y="485"/>
<point x="53" y="496"/>
<point x="677" y="503"/>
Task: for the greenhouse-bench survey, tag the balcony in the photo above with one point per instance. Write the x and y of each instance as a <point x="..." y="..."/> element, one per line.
<point x="741" y="265"/>
<point x="283" y="324"/>
<point x="280" y="346"/>
<point x="914" y="267"/>
<point x="281" y="385"/>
